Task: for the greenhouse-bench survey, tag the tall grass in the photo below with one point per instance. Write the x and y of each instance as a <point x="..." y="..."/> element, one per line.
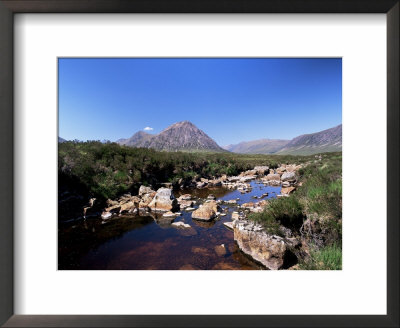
<point x="321" y="192"/>
<point x="327" y="258"/>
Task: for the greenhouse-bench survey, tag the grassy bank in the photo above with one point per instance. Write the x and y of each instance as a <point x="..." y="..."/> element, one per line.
<point x="313" y="212"/>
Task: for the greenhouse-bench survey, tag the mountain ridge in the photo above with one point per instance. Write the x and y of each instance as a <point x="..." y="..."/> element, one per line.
<point x="327" y="140"/>
<point x="259" y="146"/>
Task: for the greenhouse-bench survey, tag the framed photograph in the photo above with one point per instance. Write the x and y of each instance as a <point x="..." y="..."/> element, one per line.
<point x="196" y="164"/>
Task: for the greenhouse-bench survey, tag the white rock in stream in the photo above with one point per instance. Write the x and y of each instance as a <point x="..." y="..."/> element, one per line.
<point x="181" y="225"/>
<point x="106" y="215"/>
<point x="169" y="215"/>
<point x="229" y="225"/>
<point x="235" y="215"/>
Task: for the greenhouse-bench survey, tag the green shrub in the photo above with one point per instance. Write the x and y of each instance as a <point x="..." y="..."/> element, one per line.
<point x="91" y="165"/>
<point x="266" y="219"/>
<point x="286" y="211"/>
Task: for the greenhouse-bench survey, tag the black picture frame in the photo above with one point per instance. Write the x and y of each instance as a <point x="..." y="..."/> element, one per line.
<point x="10" y="7"/>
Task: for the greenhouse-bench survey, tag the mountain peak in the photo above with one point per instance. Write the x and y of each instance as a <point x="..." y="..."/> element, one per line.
<point x="180" y="136"/>
<point x="181" y="124"/>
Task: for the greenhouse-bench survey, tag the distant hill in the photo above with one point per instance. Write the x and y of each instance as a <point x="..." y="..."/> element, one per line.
<point x="181" y="136"/>
<point x="320" y="142"/>
<point x="139" y="139"/>
<point x="262" y="146"/>
<point x="60" y="140"/>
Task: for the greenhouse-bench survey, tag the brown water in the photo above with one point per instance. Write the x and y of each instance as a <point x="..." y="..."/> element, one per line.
<point x="149" y="242"/>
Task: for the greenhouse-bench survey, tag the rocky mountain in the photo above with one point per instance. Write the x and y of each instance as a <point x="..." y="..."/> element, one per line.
<point x="262" y="146"/>
<point x="181" y="136"/>
<point x="324" y="141"/>
<point x="139" y="139"/>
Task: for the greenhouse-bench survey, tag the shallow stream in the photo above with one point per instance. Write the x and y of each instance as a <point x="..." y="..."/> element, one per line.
<point x="144" y="242"/>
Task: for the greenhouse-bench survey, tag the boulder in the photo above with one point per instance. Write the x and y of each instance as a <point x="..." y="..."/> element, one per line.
<point x="106" y="215"/>
<point x="201" y="184"/>
<point x="253" y="240"/>
<point x="125" y="198"/>
<point x="185" y="203"/>
<point x="185" y="197"/>
<point x="181" y="225"/>
<point x="261" y="169"/>
<point x="129" y="206"/>
<point x="163" y="201"/>
<point x="248" y="205"/>
<point x="90" y="209"/>
<point x="288" y="176"/>
<point x="184" y="229"/>
<point x="220" y="250"/>
<point x="257" y="209"/>
<point x="247" y="178"/>
<point x="249" y="172"/>
<point x="201" y="251"/>
<point x="262" y="203"/>
<point x="146" y="200"/>
<point x="287" y="190"/>
<point x="235" y="216"/>
<point x="292" y="168"/>
<point x="110" y="202"/>
<point x="145" y="190"/>
<point x="215" y="182"/>
<point x="113" y="209"/>
<point x="281" y="169"/>
<point x="206" y="212"/>
<point x="273" y="177"/>
<point x="169" y="214"/>
<point x="229" y="225"/>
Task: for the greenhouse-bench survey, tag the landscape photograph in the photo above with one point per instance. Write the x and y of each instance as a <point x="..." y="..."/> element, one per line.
<point x="199" y="164"/>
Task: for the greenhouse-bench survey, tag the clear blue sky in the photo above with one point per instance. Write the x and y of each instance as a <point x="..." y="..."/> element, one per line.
<point x="230" y="99"/>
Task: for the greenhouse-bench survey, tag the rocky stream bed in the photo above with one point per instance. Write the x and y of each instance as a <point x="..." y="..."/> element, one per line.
<point x="203" y="227"/>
